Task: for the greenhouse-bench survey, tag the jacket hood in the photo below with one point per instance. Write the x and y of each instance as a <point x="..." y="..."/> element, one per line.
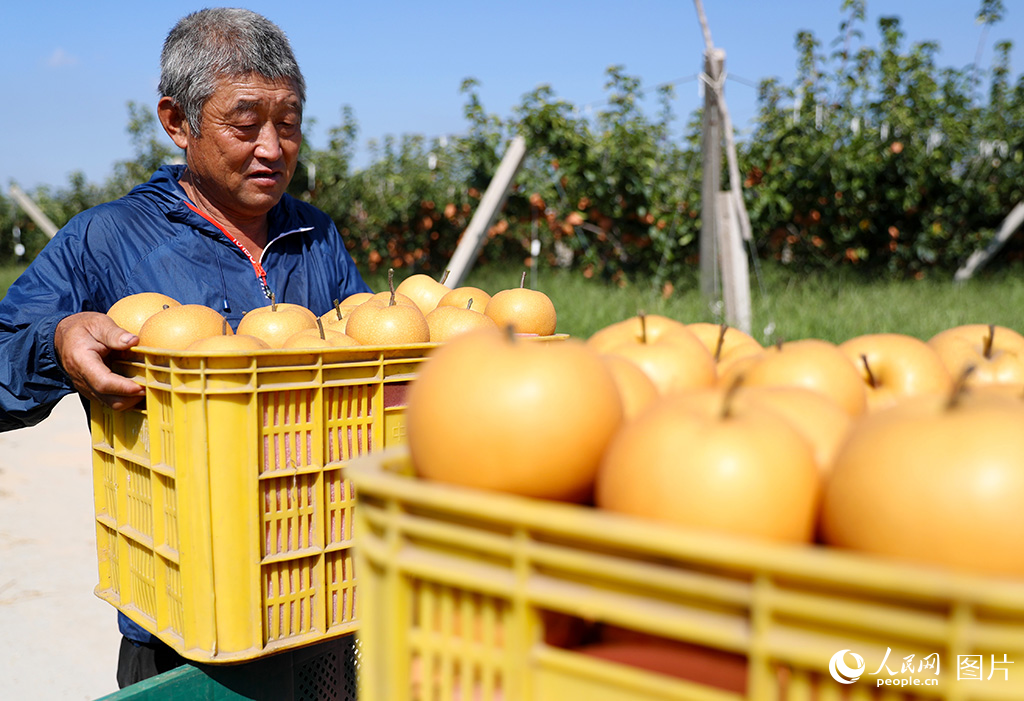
<point x="163" y="186"/>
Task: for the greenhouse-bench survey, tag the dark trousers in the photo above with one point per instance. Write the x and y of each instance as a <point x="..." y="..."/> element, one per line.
<point x="138" y="661"/>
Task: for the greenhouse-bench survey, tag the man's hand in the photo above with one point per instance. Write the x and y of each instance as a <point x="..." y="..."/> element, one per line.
<point x="82" y="342"/>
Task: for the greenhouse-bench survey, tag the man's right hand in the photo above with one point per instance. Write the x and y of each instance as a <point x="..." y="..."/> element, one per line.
<point x="82" y="342"/>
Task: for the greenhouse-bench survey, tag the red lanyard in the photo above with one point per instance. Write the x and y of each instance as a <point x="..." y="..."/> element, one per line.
<point x="260" y="272"/>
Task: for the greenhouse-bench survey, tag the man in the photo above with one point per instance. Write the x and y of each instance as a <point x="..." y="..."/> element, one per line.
<point x="218" y="231"/>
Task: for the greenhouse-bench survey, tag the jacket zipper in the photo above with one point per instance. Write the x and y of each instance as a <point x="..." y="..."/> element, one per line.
<point x="261" y="274"/>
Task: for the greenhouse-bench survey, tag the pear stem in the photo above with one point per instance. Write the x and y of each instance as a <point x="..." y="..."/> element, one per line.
<point x="959" y="388"/>
<point x="337" y="309"/>
<point x="987" y="349"/>
<point x="391" y="285"/>
<point x="721" y="341"/>
<point x="867" y="368"/>
<point x="320" y="325"/>
<point x="522" y="280"/>
<point x="224" y="327"/>
<point x="642" y="315"/>
<point x="730" y="396"/>
<point x="469" y="304"/>
<point x="273" y="302"/>
<point x="445" y="276"/>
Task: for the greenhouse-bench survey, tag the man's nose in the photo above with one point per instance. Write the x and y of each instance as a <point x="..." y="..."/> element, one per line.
<point x="268" y="143"/>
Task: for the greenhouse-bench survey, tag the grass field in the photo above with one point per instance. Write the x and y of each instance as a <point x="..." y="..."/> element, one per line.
<point x="8" y="274"/>
<point x="787" y="305"/>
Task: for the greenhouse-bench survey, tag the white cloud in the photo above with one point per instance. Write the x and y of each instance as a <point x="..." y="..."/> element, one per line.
<point x="61" y="58"/>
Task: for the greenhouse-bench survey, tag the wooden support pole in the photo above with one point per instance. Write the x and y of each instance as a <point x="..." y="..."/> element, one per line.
<point x="490" y="204"/>
<point x="33" y="211"/>
<point x="1012" y="222"/>
<point x="711" y="149"/>
<point x="725" y="224"/>
<point x="735" y="181"/>
<point x="735" y="274"/>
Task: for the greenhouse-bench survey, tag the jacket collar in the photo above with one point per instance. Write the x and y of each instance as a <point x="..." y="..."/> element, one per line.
<point x="164" y="189"/>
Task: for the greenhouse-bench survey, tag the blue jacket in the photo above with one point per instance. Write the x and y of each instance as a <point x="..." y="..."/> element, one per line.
<point x="150" y="241"/>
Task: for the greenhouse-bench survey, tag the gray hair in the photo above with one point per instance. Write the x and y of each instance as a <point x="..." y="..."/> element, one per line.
<point x="210" y="44"/>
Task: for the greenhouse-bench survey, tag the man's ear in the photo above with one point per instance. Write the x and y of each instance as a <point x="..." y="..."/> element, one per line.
<point x="172" y="117"/>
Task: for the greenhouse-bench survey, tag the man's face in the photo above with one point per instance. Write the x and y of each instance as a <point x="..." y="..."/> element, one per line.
<point x="246" y="154"/>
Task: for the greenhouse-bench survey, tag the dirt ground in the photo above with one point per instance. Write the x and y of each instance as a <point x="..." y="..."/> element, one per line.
<point x="57" y="639"/>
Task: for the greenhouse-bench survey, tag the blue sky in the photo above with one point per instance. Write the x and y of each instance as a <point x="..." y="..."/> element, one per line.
<point x="69" y="68"/>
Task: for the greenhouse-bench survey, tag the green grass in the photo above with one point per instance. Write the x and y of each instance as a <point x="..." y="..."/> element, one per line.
<point x="8" y="274"/>
<point x="790" y="305"/>
<point x="785" y="304"/>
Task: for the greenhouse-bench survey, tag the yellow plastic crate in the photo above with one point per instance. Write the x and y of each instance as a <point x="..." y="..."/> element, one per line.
<point x="458" y="585"/>
<point x="223" y="509"/>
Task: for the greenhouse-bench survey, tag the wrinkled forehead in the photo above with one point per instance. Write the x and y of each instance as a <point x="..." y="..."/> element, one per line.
<point x="244" y="93"/>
